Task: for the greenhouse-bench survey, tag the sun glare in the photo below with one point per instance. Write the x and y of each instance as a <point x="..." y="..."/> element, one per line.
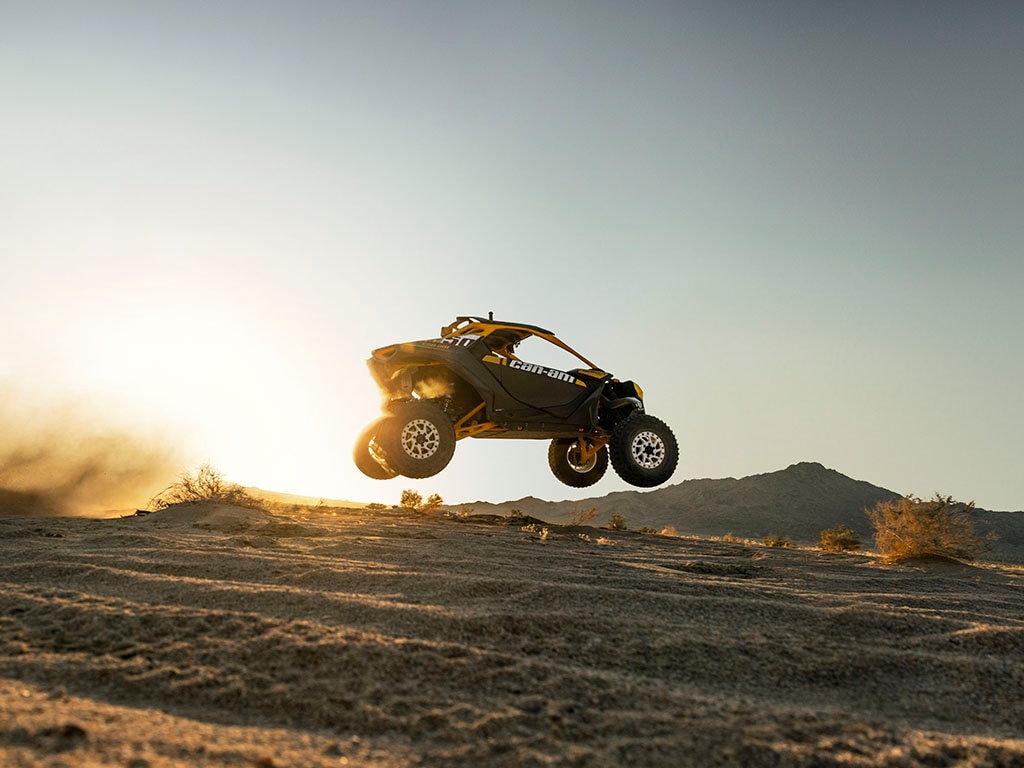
<point x="223" y="382"/>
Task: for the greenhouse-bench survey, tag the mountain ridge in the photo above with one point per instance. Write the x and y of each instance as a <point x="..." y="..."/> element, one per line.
<point x="797" y="502"/>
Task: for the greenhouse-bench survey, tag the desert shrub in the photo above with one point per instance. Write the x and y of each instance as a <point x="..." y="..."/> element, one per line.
<point x="774" y="540"/>
<point x="410" y="500"/>
<point x="646" y="529"/>
<point x="838" y="539"/>
<point x="376" y="506"/>
<point x="617" y="522"/>
<point x="668" y="530"/>
<point x="909" y="527"/>
<point x="580" y="516"/>
<point x="206" y="484"/>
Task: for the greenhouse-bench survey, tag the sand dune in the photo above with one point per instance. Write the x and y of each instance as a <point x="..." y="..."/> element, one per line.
<point x="205" y="635"/>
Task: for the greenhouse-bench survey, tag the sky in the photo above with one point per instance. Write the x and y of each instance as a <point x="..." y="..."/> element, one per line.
<point x="797" y="225"/>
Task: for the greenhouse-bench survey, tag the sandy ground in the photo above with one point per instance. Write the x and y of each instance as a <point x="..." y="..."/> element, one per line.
<point x="217" y="636"/>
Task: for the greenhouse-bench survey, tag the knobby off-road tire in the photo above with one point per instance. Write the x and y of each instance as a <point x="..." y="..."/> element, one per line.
<point x="369" y="456"/>
<point x="643" y="450"/>
<point x="418" y="439"/>
<point x="564" y="460"/>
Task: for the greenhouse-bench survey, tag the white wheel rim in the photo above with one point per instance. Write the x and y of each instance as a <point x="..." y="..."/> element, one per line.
<point x="375" y="452"/>
<point x="572" y="455"/>
<point x="420" y="438"/>
<point x="648" y="450"/>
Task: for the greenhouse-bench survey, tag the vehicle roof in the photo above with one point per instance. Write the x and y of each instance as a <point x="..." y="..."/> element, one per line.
<point x="463" y="324"/>
<point x="504" y="336"/>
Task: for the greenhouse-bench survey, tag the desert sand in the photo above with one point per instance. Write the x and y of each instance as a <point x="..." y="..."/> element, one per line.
<point x="219" y="636"/>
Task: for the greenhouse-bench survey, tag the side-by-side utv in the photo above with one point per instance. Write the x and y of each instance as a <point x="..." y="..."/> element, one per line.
<point x="470" y="382"/>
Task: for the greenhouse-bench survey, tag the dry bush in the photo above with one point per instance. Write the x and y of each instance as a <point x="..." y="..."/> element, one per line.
<point x="410" y="499"/>
<point x="207" y="484"/>
<point x="617" y="522"/>
<point x="668" y="530"/>
<point x="774" y="540"/>
<point x="580" y="516"/>
<point x="909" y="527"/>
<point x="838" y="539"/>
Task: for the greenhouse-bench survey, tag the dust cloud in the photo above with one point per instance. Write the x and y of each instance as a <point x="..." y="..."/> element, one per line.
<point x="72" y="459"/>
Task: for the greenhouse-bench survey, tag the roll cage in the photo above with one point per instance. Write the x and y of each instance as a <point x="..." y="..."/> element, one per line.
<point x="503" y="338"/>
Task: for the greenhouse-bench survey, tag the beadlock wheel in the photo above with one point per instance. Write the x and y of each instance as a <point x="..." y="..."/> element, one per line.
<point x="643" y="450"/>
<point x="369" y="457"/>
<point x="565" y="464"/>
<point x="648" y="450"/>
<point x="418" y="440"/>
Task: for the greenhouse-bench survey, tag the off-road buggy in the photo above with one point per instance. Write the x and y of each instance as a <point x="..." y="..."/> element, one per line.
<point x="471" y="383"/>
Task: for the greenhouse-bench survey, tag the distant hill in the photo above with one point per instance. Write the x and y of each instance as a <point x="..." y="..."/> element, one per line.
<point x="797" y="502"/>
<point x="291" y="498"/>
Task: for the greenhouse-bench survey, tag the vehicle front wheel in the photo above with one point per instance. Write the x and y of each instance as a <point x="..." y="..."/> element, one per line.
<point x="565" y="463"/>
<point x="643" y="450"/>
<point x="418" y="439"/>
<point x="369" y="456"/>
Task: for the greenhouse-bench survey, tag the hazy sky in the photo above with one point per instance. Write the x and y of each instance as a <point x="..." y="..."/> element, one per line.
<point x="798" y="226"/>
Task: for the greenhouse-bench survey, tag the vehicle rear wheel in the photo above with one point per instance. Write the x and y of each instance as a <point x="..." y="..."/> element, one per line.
<point x="418" y="440"/>
<point x="643" y="450"/>
<point x="564" y="460"/>
<point x="368" y="454"/>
